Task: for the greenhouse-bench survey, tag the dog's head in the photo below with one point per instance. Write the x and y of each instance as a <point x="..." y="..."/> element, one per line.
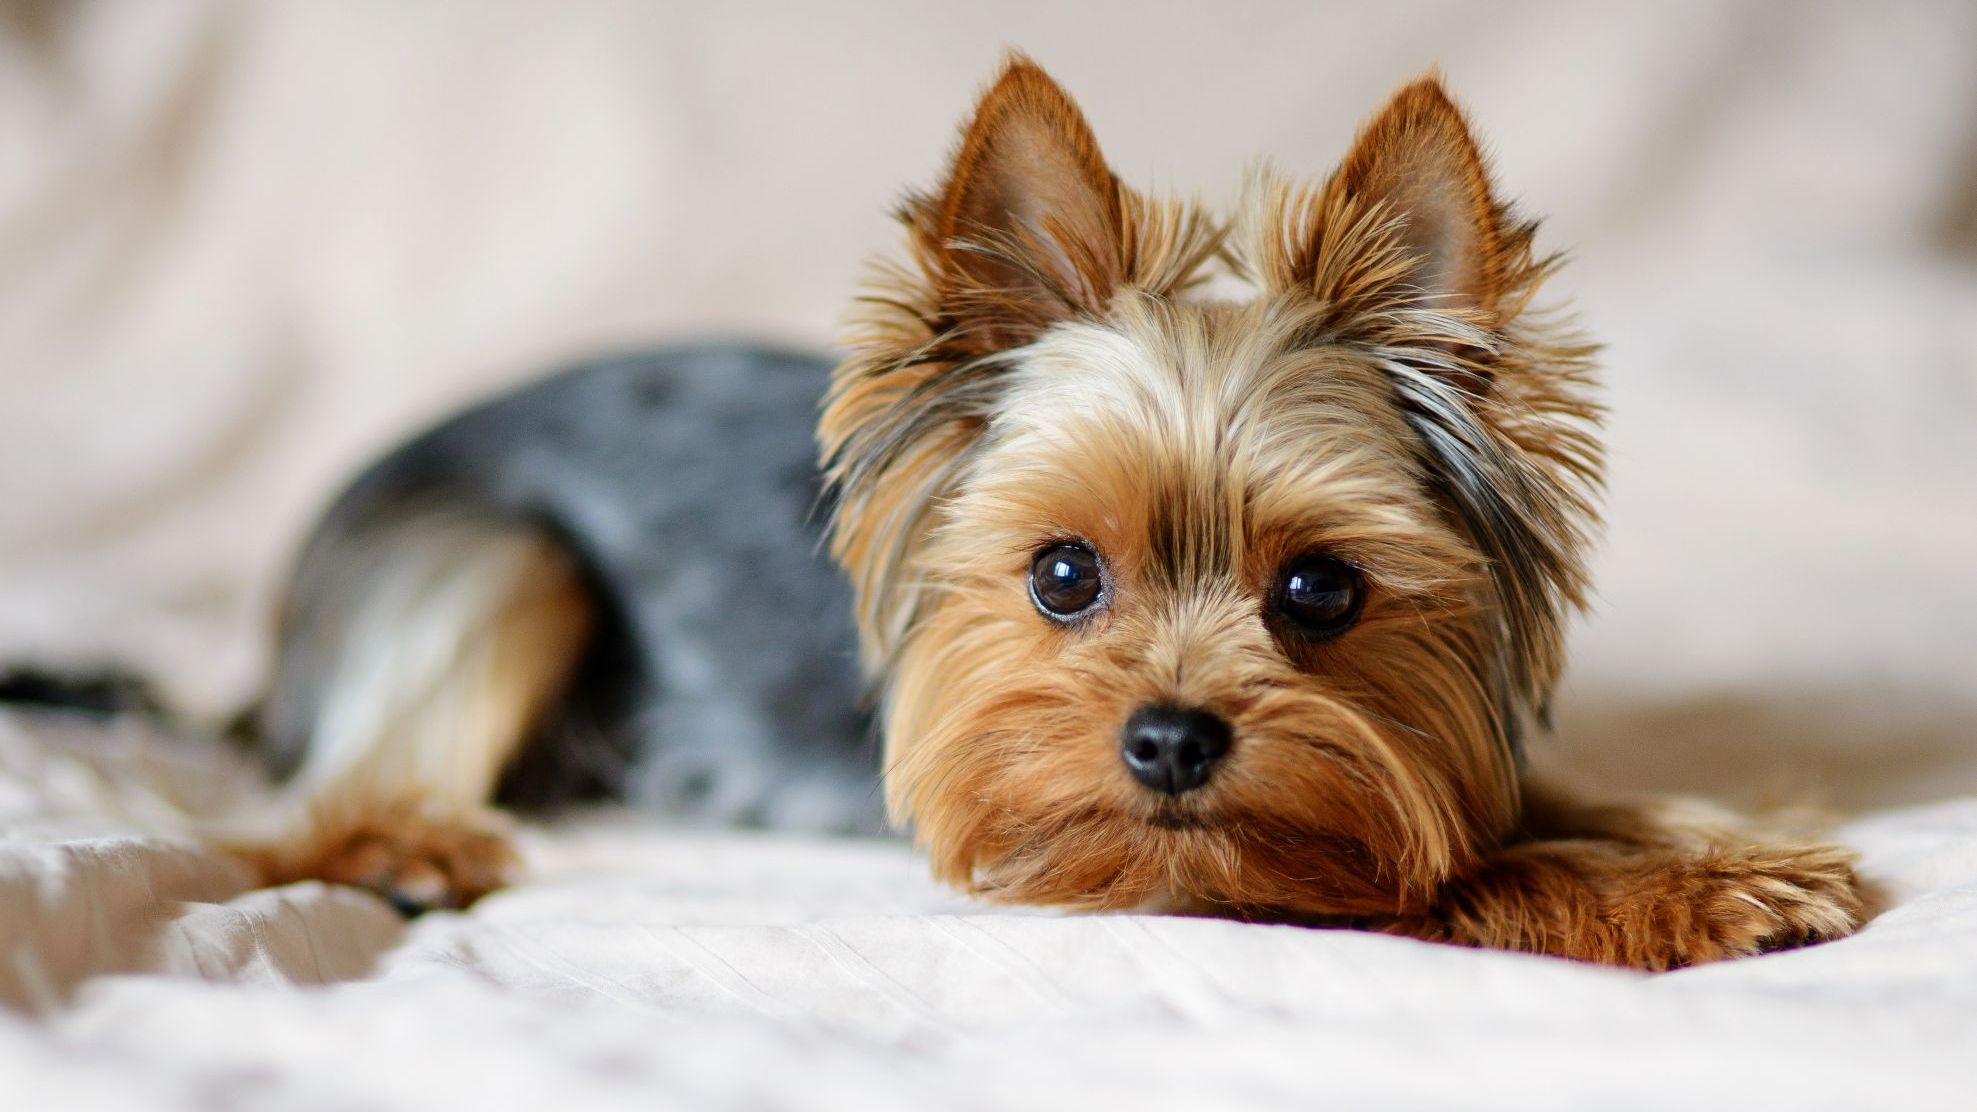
<point x="1232" y="602"/>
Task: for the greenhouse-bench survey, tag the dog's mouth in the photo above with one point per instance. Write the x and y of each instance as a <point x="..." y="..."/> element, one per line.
<point x="1171" y="815"/>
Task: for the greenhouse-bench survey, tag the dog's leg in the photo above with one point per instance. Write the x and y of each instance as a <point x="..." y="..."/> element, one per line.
<point x="1652" y="886"/>
<point x="431" y="650"/>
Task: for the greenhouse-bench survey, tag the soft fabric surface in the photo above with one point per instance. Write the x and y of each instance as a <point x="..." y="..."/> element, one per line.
<point x="244" y="247"/>
<point x="643" y="968"/>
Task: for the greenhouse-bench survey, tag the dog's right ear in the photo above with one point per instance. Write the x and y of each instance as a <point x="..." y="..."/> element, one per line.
<point x="1029" y="227"/>
<point x="1028" y="230"/>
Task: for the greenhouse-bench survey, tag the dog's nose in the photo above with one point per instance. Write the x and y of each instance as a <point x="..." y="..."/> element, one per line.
<point x="1173" y="750"/>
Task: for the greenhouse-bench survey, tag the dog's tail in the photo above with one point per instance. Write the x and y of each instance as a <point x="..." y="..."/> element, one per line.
<point x="419" y="651"/>
<point x="97" y="694"/>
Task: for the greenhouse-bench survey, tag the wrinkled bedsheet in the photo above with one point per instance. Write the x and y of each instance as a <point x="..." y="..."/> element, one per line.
<point x="643" y="968"/>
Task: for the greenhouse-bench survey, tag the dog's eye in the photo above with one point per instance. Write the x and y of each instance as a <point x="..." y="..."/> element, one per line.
<point x="1321" y="593"/>
<point x="1065" y="581"/>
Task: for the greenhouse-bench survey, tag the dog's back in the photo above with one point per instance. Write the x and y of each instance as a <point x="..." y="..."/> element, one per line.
<point x="607" y="581"/>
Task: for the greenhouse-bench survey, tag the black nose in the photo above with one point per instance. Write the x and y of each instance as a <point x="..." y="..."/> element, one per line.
<point x="1173" y="750"/>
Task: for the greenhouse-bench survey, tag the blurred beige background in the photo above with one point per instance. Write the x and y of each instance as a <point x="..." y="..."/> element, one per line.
<point x="245" y="246"/>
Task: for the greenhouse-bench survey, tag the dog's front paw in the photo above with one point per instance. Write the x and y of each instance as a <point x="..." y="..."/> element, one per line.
<point x="1726" y="903"/>
<point x="1656" y="905"/>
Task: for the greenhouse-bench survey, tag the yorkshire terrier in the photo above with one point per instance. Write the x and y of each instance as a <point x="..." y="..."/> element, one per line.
<point x="1173" y="602"/>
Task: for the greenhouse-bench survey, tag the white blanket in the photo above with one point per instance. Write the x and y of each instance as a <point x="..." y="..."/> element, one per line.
<point x="644" y="968"/>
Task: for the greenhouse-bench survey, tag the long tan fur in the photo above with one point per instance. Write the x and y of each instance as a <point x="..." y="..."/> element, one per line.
<point x="1042" y="371"/>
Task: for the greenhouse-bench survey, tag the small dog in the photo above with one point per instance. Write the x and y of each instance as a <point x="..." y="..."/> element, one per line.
<point x="1215" y="606"/>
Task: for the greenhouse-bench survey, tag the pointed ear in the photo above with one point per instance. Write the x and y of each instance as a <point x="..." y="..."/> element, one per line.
<point x="1028" y="229"/>
<point x="1419" y="163"/>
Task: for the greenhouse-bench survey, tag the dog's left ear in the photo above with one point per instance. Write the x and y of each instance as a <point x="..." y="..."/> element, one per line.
<point x="1408" y="220"/>
<point x="1418" y="161"/>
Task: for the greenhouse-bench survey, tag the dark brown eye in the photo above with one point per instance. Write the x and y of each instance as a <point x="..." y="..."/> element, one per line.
<point x="1320" y="594"/>
<point x="1065" y="581"/>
